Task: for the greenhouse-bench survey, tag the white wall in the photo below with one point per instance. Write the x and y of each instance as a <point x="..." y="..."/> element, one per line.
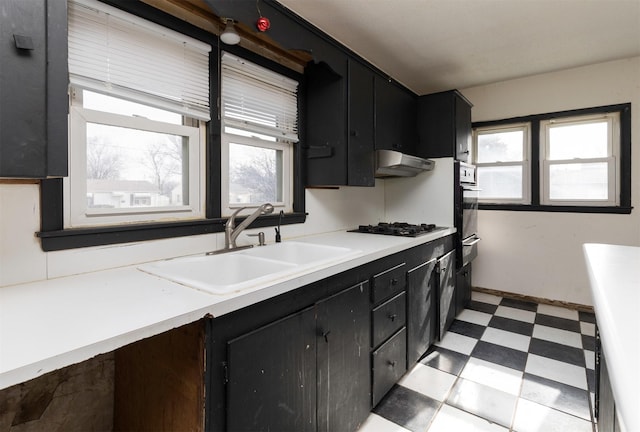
<point x="22" y="260"/>
<point x="536" y="253"/>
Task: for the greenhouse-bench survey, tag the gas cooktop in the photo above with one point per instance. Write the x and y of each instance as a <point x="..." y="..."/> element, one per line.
<point x="401" y="229"/>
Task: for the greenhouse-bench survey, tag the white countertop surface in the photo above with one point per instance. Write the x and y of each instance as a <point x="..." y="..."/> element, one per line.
<point x="50" y="324"/>
<point x="614" y="274"/>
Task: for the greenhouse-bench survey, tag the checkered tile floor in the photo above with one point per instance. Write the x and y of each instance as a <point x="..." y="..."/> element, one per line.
<point x="504" y="365"/>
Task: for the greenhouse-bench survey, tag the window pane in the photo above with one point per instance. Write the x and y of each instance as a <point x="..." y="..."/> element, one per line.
<point x="255" y="174"/>
<point x="585" y="140"/>
<point x="110" y="104"/>
<point x="503" y="182"/>
<point x="580" y="181"/>
<point x="130" y="168"/>
<point x="500" y="147"/>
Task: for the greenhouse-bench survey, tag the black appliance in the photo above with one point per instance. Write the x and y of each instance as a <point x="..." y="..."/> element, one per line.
<point x="401" y="229"/>
<point x="466" y="213"/>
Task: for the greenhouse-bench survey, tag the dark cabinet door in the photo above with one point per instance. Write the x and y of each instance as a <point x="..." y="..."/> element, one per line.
<point x="344" y="388"/>
<point x="272" y="377"/>
<point x="606" y="403"/>
<point x="361" y="157"/>
<point x="462" y="116"/>
<point x="463" y="288"/>
<point x="340" y="126"/>
<point x="326" y="126"/>
<point x="446" y="268"/>
<point x="33" y="87"/>
<point x="444" y="125"/>
<point x="421" y="309"/>
<point x="395" y="117"/>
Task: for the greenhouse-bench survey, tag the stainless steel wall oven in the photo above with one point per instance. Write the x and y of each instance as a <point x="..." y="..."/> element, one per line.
<point x="466" y="212"/>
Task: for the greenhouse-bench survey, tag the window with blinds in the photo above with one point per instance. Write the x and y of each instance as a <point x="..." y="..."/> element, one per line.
<point x="139" y="103"/>
<point x="259" y="127"/>
<point x="120" y="54"/>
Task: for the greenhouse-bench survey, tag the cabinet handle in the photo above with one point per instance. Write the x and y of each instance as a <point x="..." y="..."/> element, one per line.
<point x="392" y="363"/>
<point x="393" y="317"/>
<point x="394" y="281"/>
<point x="325" y="335"/>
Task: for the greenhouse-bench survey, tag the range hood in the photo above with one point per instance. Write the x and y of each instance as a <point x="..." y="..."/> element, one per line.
<point x="390" y="163"/>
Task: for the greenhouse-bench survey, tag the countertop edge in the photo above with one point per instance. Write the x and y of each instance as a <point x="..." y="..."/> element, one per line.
<point x="199" y="305"/>
<point x="613" y="271"/>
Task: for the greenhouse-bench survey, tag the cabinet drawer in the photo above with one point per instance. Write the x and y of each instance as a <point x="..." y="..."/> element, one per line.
<point x="389" y="364"/>
<point x="388" y="318"/>
<point x="388" y="282"/>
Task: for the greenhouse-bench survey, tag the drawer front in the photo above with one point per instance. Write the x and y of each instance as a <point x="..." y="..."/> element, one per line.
<point x="388" y="318"/>
<point x="388" y="283"/>
<point x="389" y="364"/>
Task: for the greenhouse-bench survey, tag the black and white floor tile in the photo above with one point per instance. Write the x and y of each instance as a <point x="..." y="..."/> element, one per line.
<point x="504" y="365"/>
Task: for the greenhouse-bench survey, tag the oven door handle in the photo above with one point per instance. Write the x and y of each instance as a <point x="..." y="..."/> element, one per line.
<point x="471" y="188"/>
<point x="473" y="242"/>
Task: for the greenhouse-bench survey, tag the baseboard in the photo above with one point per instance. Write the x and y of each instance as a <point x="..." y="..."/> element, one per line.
<point x="564" y="304"/>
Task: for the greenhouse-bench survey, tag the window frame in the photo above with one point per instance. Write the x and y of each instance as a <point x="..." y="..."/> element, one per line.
<point x="537" y="204"/>
<point x="287" y="164"/>
<point x="54" y="237"/>
<point x="525" y="127"/>
<point x="254" y="84"/>
<point x="612" y="159"/>
<point x="75" y="186"/>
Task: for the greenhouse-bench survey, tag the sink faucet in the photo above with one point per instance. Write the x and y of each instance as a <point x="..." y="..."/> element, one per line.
<point x="231" y="232"/>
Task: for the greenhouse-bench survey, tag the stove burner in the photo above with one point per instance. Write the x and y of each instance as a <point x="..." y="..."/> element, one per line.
<point x="402" y="229"/>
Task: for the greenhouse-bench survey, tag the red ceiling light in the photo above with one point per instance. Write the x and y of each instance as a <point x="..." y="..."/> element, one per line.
<point x="263" y="24"/>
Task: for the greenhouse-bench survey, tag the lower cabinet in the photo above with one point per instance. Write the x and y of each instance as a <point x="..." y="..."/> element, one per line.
<point x="305" y="372"/>
<point x="272" y="376"/>
<point x="605" y="402"/>
<point x="343" y="332"/>
<point x="421" y="309"/>
<point x="446" y="268"/>
<point x="388" y="328"/>
<point x="463" y="288"/>
<point x="313" y="359"/>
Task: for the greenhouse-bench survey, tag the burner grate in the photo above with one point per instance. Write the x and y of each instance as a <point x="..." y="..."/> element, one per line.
<point x="402" y="229"/>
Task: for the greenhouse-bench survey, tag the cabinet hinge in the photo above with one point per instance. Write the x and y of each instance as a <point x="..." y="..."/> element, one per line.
<point x="225" y="373"/>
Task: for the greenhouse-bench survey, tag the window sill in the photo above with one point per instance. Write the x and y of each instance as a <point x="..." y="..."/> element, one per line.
<point x="101" y="236"/>
<point x="555" y="209"/>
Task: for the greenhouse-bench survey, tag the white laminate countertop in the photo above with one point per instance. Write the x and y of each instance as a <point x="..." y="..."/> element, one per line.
<point x="51" y="324"/>
<point x="614" y="275"/>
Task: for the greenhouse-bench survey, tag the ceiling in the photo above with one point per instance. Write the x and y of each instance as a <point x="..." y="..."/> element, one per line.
<point x="434" y="45"/>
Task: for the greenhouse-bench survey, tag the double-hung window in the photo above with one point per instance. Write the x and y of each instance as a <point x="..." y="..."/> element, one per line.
<point x="577" y="160"/>
<point x="502" y="158"/>
<point x="259" y="129"/>
<point x="139" y="96"/>
<point x="580" y="160"/>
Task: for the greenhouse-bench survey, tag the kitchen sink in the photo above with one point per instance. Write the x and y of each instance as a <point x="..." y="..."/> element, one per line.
<point x="235" y="271"/>
<point x="218" y="274"/>
<point x="301" y="253"/>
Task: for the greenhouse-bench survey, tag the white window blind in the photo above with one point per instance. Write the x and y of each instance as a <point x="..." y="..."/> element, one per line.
<point x="113" y="52"/>
<point x="258" y="100"/>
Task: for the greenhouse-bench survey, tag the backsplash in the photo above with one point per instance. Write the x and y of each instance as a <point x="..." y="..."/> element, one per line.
<point x="22" y="260"/>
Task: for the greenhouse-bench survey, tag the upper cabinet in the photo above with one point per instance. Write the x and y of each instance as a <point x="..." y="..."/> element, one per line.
<point x="340" y="126"/>
<point x="444" y="125"/>
<point x="33" y="85"/>
<point x="395" y="117"/>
